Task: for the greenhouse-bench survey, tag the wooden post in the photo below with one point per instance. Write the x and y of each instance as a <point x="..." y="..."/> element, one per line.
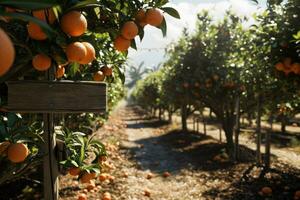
<point x="50" y="165"/>
<point x="198" y="125"/>
<point x="258" y="130"/>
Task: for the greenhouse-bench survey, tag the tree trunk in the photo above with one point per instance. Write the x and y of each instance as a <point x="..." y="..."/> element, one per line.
<point x="228" y="129"/>
<point x="159" y="114"/>
<point x="258" y="131"/>
<point x="283" y="124"/>
<point x="170" y="116"/>
<point x="268" y="145"/>
<point x="184" y="117"/>
<point x="237" y="129"/>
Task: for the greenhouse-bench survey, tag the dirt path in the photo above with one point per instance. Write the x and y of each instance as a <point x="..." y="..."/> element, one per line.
<point x="144" y="149"/>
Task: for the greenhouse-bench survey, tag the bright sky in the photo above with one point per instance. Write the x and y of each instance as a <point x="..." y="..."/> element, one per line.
<point x="188" y="10"/>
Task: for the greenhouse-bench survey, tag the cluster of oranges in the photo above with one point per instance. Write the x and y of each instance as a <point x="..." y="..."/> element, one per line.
<point x="16" y="153"/>
<point x="85" y="177"/>
<point x="288" y="67"/>
<point x="73" y="24"/>
<point x="88" y="179"/>
<point x="130" y="29"/>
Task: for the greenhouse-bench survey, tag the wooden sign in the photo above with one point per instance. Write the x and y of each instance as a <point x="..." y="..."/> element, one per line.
<point x="56" y="97"/>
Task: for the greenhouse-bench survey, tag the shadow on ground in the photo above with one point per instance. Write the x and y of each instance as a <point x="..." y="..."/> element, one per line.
<point x="176" y="150"/>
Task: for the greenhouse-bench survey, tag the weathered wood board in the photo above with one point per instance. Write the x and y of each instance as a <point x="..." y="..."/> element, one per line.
<point x="56" y="97"/>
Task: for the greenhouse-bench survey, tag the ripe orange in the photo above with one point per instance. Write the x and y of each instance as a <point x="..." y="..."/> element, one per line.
<point x="7" y="53"/>
<point x="140" y="17"/>
<point x="74" y="171"/>
<point x="90" y="54"/>
<point x="41" y="62"/>
<point x="267" y="191"/>
<point x="82" y="196"/>
<point x="3" y="147"/>
<point x="147" y="192"/>
<point x="45" y="15"/>
<point x="154" y="17"/>
<point x="73" y="23"/>
<point x="103" y="177"/>
<point x="166" y="174"/>
<point x="91" y="186"/>
<point x="99" y="76"/>
<point x="76" y="52"/>
<point x="87" y="177"/>
<point x="106" y="196"/>
<point x="107" y="71"/>
<point x="60" y="72"/>
<point x="35" y="32"/>
<point x="129" y="30"/>
<point x="279" y="66"/>
<point x="121" y="44"/>
<point x="17" y="153"/>
<point x="295" y="67"/>
<point x="149" y="175"/>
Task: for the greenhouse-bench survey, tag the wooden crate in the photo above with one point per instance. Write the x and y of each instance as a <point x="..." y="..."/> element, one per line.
<point x="56" y="97"/>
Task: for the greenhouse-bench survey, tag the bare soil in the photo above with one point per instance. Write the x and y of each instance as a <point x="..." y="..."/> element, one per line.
<point x="144" y="149"/>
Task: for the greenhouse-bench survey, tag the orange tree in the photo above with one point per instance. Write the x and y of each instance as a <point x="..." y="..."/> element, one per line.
<point x="77" y="40"/>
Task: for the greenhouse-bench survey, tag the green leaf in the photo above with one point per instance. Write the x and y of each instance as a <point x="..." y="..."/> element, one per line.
<point x="12" y="119"/>
<point x="45" y="27"/>
<point x="86" y="3"/>
<point x="29" y="4"/>
<point x="141" y="33"/>
<point x="163" y="27"/>
<point x="171" y="11"/>
<point x="133" y="44"/>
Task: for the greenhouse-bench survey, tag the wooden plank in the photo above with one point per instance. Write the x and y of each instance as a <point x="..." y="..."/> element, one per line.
<point x="56" y="97"/>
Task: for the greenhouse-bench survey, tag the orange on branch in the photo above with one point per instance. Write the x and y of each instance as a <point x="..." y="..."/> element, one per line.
<point x="87" y="177"/>
<point x="76" y="52"/>
<point x="73" y="23"/>
<point x="74" y="171"/>
<point x="154" y="17"/>
<point x="121" y="44"/>
<point x="90" y="54"/>
<point x="45" y="15"/>
<point x="60" y="72"/>
<point x="41" y="62"/>
<point x="295" y="67"/>
<point x="99" y="76"/>
<point x="279" y="66"/>
<point x="7" y="53"/>
<point x="107" y="71"/>
<point x="82" y="196"/>
<point x="140" y="17"/>
<point x="129" y="30"/>
<point x="35" y="32"/>
<point x="267" y="191"/>
<point x="17" y="153"/>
